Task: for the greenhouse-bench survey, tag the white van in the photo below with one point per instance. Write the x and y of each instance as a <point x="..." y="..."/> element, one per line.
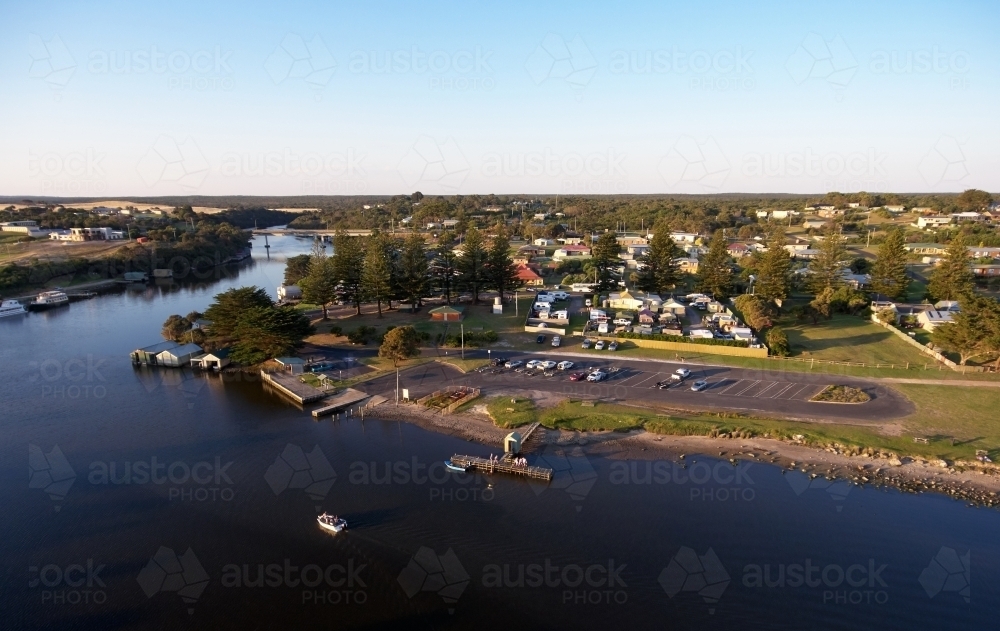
<point x="602" y="328"/>
<point x="559" y="295"/>
<point x="545" y="298"/>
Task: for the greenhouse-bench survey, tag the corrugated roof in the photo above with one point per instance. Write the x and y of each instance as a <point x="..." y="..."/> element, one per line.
<point x="159" y="348"/>
<point x="180" y="351"/>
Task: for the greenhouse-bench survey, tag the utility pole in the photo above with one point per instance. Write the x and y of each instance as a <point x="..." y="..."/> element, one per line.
<point x="397" y="385"/>
<point x="463" y="339"/>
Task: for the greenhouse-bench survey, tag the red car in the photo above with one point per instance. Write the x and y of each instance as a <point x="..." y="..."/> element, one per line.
<point x="578" y="376"/>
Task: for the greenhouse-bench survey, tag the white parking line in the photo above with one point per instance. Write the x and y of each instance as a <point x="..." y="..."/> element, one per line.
<point x="649" y="378"/>
<point x="774" y="383"/>
<point x="747" y="388"/>
<point x="777" y="395"/>
<point x="797" y="391"/>
<point x="731" y="386"/>
<point x="632" y="376"/>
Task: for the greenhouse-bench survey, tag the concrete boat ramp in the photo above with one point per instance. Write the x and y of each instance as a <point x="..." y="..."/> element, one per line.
<point x="346" y="399"/>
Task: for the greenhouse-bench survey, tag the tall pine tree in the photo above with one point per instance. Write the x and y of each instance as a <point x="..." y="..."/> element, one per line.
<point x="604" y="253"/>
<point x="659" y="273"/>
<point x="412" y="270"/>
<point x="715" y="274"/>
<point x="319" y="286"/>
<point x="773" y="279"/>
<point x="472" y="262"/>
<point x="889" y="272"/>
<point x="348" y="262"/>
<point x="501" y="272"/>
<point x="376" y="275"/>
<point x="952" y="278"/>
<point x="826" y="270"/>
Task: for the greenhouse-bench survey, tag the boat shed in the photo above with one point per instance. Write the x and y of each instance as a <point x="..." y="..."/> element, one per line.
<point x="148" y="356"/>
<point x="178" y="356"/>
<point x="212" y="361"/>
<point x="293" y="365"/>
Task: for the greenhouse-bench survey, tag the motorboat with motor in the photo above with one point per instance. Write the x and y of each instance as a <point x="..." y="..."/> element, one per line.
<point x="11" y="308"/>
<point x="454" y="467"/>
<point x="331" y="523"/>
<point x="49" y="300"/>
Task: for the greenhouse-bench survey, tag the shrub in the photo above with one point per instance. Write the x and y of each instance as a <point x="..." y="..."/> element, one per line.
<point x="777" y="341"/>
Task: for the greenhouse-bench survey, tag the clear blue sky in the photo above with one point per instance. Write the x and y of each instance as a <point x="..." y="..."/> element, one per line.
<point x="111" y="98"/>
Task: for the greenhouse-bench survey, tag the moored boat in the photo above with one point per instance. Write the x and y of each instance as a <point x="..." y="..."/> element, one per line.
<point x="49" y="300"/>
<point x="11" y="308"/>
<point x="454" y="467"/>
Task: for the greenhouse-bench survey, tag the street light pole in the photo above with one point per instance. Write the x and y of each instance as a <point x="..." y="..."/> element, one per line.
<point x="463" y="339"/>
<point x="397" y="385"/>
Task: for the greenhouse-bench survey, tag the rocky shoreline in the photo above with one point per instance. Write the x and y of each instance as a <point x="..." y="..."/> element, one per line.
<point x="972" y="482"/>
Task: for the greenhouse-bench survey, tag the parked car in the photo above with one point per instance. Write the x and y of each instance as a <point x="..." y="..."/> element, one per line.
<point x="540" y="339"/>
<point x="517" y="363"/>
<point x="586" y="343"/>
<point x="565" y="365"/>
<point x="599" y="346"/>
<point x="698" y="386"/>
<point x="498" y="361"/>
<point x="543" y="325"/>
<point x="556" y="341"/>
<point x="680" y="374"/>
<point x="613" y="346"/>
<point x="548" y="364"/>
<point x="532" y="364"/>
<point x="578" y="376"/>
<point x="597" y="375"/>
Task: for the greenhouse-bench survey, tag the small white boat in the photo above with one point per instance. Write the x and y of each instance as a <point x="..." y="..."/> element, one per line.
<point x="11" y="308"/>
<point x="331" y="523"/>
<point x="454" y="467"/>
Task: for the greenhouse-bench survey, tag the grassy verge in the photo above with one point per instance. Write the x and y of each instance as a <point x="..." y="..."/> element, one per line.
<point x="955" y="421"/>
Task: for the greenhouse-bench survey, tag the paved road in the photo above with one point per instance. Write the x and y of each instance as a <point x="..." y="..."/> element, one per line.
<point x="736" y="389"/>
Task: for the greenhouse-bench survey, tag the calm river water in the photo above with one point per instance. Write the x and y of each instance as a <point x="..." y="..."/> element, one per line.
<point x="160" y="499"/>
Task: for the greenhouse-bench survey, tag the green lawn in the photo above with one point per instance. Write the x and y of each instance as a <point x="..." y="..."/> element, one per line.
<point x="851" y="339"/>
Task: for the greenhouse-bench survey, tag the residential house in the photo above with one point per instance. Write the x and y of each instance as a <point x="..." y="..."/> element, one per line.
<point x="761" y="214"/>
<point x="898" y="209"/>
<point x="570" y="240"/>
<point x="932" y="318"/>
<point x="638" y="249"/>
<point x="544" y="241"/>
<point x="920" y="210"/>
<point x="978" y="252"/>
<point x="829" y="212"/>
<point x="784" y="214"/>
<point x="541" y="216"/>
<point x="531" y="250"/>
<point x="947" y="305"/>
<point x="674" y="306"/>
<point x="960" y="217"/>
<point x="521" y="259"/>
<point x="683" y="237"/>
<point x="432" y="225"/>
<point x="802" y="254"/>
<point x="449" y="223"/>
<point x="572" y="251"/>
<point x="625" y="300"/>
<point x="738" y="250"/>
<point x="687" y="265"/>
<point x="932" y="221"/>
<point x="813" y="224"/>
<point x="647" y="317"/>
<point x="529" y="277"/>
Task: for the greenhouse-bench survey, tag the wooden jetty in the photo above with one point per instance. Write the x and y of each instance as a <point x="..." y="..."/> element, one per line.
<point x="341" y="401"/>
<point x="528" y="432"/>
<point x="484" y="465"/>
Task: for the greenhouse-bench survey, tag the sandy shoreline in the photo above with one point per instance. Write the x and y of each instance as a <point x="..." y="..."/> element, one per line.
<point x="971" y="482"/>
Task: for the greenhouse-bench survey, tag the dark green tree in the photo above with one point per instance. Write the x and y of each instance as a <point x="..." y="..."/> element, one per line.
<point x="229" y="306"/>
<point x="659" y="273"/>
<point x="826" y="270"/>
<point x="376" y="275"/>
<point x="773" y="279"/>
<point x="348" y="262"/>
<point x="604" y="253"/>
<point x="399" y="344"/>
<point x="267" y="332"/>
<point x="889" y="272"/>
<point x="413" y="270"/>
<point x="501" y="273"/>
<point x="715" y="272"/>
<point x="472" y="262"/>
<point x="296" y="268"/>
<point x="952" y="279"/>
<point x="319" y="286"/>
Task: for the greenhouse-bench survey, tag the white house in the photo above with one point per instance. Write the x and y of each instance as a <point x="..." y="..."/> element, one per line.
<point x="932" y="318"/>
<point x="449" y="223"/>
<point x="544" y="242"/>
<point x="960" y="217"/>
<point x="932" y="221"/>
<point x="289" y="292"/>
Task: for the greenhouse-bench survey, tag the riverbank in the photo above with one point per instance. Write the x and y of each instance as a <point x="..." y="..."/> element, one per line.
<point x="972" y="482"/>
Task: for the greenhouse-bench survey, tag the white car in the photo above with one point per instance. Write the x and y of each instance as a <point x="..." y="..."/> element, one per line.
<point x="680" y="374"/>
<point x="556" y="341"/>
<point x="565" y="365"/>
<point x="698" y="386"/>
<point x="599" y="346"/>
<point x="597" y="375"/>
<point x="547" y="364"/>
<point x="533" y="364"/>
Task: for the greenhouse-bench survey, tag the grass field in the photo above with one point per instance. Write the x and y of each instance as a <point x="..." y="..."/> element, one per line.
<point x="851" y="339"/>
